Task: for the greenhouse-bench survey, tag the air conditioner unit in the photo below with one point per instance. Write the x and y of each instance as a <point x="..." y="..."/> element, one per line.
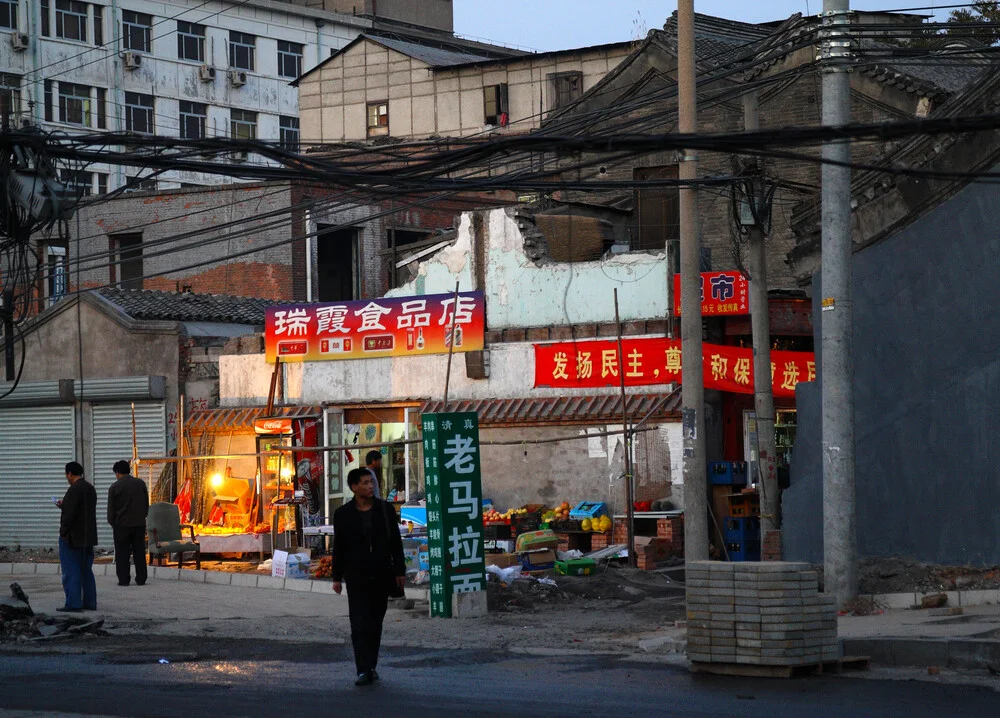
<point x="19" y="41"/>
<point x="206" y="73"/>
<point x="237" y="78"/>
<point x="132" y="60"/>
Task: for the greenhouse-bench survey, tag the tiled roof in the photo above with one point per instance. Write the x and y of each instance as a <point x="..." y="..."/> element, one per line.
<point x="718" y="40"/>
<point x="241" y="419"/>
<point x="565" y="409"/>
<point x="187" y="307"/>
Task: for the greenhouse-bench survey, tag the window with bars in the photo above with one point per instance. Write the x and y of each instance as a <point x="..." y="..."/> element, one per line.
<point x="55" y="286"/>
<point x="8" y="14"/>
<point x="71" y="20"/>
<point x="289" y="59"/>
<point x="137" y="31"/>
<point x="241" y="50"/>
<point x="564" y="88"/>
<point x="75" y="104"/>
<point x="10" y="98"/>
<point x="193" y="116"/>
<point x="495" y="105"/>
<point x="289" y="133"/>
<point x="243" y="124"/>
<point x="139" y="113"/>
<point x="378" y="118"/>
<point x="126" y="266"/>
<point x="190" y="41"/>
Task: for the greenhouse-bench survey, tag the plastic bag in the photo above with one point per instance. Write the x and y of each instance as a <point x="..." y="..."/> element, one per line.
<point x="506" y="575"/>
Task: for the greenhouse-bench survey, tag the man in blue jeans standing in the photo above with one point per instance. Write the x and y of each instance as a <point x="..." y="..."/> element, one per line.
<point x="77" y="538"/>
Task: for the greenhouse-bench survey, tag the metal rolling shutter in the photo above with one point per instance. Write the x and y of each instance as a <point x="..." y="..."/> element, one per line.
<point x="113" y="441"/>
<point x="35" y="445"/>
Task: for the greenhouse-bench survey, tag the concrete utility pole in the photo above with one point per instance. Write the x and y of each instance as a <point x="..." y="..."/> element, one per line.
<point x="763" y="400"/>
<point x="837" y="366"/>
<point x="693" y="383"/>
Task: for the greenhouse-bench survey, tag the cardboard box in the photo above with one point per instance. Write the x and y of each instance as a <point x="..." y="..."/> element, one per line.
<point x="538" y="560"/>
<point x="503" y="560"/>
<point x="290" y="565"/>
<point x="533" y="540"/>
<point x="576" y="567"/>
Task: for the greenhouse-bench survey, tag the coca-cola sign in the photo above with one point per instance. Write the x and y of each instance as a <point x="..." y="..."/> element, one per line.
<point x="272" y="426"/>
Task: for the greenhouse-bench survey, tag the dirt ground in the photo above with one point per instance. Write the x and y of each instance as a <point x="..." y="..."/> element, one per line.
<point x="902" y="575"/>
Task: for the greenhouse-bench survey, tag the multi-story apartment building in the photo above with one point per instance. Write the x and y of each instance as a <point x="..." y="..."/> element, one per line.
<point x="181" y="68"/>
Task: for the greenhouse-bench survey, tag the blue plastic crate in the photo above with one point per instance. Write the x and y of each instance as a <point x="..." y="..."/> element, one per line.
<point x="589" y="510"/>
<point x="720" y="473"/>
<point x="740" y="529"/>
<point x="743" y="550"/>
<point x="727" y="473"/>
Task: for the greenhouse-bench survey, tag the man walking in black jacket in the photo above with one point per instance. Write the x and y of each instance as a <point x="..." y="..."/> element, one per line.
<point x="368" y="554"/>
<point x="128" y="504"/>
<point x="77" y="538"/>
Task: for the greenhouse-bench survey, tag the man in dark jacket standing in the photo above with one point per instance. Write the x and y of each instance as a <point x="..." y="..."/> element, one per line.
<point x="128" y="504"/>
<point x="77" y="538"/>
<point x="368" y="554"/>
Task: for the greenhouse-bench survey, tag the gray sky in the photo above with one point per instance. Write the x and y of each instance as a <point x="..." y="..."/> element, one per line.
<point x="562" y="24"/>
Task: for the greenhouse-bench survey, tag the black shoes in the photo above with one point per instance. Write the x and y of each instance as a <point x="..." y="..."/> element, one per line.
<point x="67" y="609"/>
<point x="374" y="674"/>
<point x="364" y="679"/>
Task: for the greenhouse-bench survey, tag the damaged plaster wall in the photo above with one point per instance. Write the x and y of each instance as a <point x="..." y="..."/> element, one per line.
<point x="524" y="289"/>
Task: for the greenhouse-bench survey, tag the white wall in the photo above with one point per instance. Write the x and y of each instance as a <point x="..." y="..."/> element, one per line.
<point x="523" y="293"/>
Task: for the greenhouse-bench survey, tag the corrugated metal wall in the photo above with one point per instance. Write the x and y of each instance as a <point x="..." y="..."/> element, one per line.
<point x="35" y="445"/>
<point x="112" y="437"/>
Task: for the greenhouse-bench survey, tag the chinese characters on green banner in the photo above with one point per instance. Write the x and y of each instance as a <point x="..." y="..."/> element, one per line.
<point x="454" y="507"/>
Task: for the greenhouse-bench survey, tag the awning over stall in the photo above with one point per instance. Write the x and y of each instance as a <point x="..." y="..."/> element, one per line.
<point x="240" y="419"/>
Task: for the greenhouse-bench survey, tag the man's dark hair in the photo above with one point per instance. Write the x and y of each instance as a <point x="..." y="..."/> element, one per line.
<point x="74" y="468"/>
<point x="372" y="456"/>
<point x="354" y="477"/>
<point x="121" y="467"/>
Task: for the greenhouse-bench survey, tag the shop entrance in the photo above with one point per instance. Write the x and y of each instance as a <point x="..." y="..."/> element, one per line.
<point x="400" y="478"/>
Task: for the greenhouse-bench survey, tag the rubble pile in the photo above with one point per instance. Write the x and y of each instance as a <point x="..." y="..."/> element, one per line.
<point x="19" y="623"/>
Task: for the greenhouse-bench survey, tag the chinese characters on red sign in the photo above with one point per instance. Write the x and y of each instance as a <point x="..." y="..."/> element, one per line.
<point x="375" y="328"/>
<point x="721" y="293"/>
<point x="658" y="361"/>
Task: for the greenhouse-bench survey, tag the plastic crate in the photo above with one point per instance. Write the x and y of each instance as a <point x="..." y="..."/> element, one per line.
<point x="727" y="473"/>
<point x="563" y="525"/>
<point x="576" y="567"/>
<point x="522" y="523"/>
<point x="743" y="505"/>
<point x="589" y="510"/>
<point x="496" y="531"/>
<point x="743" y="550"/>
<point x="741" y="529"/>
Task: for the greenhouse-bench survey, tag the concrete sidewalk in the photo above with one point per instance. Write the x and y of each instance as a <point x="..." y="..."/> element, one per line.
<point x="924" y="638"/>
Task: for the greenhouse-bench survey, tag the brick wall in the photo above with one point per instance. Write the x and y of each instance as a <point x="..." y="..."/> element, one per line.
<point x="163" y="218"/>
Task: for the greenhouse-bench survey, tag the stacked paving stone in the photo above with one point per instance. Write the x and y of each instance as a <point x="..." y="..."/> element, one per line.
<point x="759" y="613"/>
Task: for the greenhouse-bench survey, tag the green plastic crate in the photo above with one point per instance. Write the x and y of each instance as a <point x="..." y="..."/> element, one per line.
<point x="576" y="567"/>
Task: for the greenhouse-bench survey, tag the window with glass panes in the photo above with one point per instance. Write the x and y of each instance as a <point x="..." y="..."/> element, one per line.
<point x="192" y="119"/>
<point x="241" y="49"/>
<point x="137" y="31"/>
<point x="10" y="97"/>
<point x="79" y="183"/>
<point x="139" y="113"/>
<point x="289" y="132"/>
<point x="8" y="14"/>
<point x="71" y="20"/>
<point x="243" y="124"/>
<point x="75" y="104"/>
<point x="289" y="59"/>
<point x="190" y="41"/>
<point x="378" y="118"/>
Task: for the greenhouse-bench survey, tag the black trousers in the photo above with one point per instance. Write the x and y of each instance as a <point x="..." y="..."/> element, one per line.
<point x="130" y="542"/>
<point x="366" y="601"/>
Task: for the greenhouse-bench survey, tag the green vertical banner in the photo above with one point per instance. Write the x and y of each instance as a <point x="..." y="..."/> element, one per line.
<point x="454" y="491"/>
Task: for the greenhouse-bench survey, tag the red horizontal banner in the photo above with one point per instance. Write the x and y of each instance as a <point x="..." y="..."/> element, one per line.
<point x="648" y="361"/>
<point x="400" y="326"/>
<point x="721" y="293"/>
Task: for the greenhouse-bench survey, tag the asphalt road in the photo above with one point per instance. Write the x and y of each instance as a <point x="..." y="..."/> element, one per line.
<point x="261" y="679"/>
